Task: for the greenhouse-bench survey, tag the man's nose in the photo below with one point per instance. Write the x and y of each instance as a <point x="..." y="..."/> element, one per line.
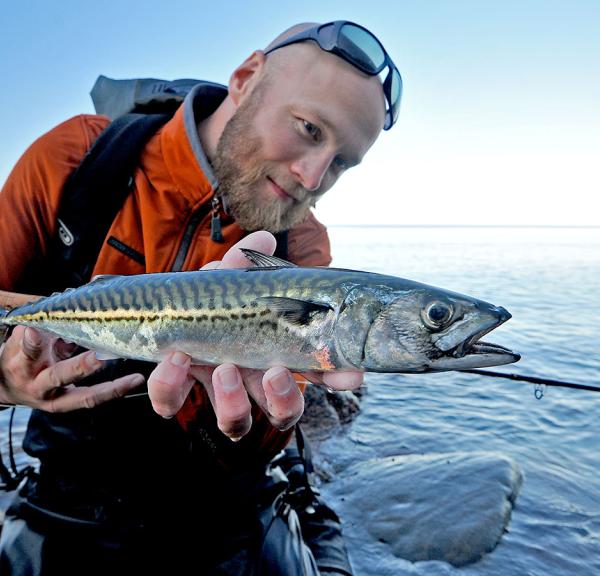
<point x="311" y="169"/>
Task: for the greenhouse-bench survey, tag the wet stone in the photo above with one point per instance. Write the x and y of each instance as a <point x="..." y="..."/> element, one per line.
<point x="441" y="507"/>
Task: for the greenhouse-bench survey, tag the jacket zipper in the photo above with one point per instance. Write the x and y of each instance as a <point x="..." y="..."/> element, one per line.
<point x="188" y="235"/>
<point x="190" y="230"/>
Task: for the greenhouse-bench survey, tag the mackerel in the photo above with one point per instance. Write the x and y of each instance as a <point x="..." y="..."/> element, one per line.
<point x="273" y="314"/>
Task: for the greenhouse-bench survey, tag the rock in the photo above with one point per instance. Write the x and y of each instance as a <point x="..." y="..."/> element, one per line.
<point x="326" y="412"/>
<point x="450" y="507"/>
<point x="346" y="405"/>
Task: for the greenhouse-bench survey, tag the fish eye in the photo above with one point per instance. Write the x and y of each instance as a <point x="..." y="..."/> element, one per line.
<point x="436" y="315"/>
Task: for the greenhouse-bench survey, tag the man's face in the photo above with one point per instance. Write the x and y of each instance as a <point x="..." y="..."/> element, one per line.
<point x="305" y="123"/>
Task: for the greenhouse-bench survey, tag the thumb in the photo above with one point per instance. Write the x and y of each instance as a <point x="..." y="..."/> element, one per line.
<point x="33" y="343"/>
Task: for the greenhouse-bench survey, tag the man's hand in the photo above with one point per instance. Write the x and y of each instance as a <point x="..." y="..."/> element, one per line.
<point x="230" y="387"/>
<point x="37" y="370"/>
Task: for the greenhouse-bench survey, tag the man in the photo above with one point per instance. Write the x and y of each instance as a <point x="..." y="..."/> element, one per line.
<point x="117" y="483"/>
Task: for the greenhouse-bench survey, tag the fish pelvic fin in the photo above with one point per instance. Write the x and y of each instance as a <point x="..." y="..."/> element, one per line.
<point x="261" y="260"/>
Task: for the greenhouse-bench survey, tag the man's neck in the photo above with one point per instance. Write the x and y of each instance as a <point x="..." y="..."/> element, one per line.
<point x="211" y="127"/>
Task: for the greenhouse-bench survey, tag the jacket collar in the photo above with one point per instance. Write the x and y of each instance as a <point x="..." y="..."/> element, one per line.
<point x="182" y="150"/>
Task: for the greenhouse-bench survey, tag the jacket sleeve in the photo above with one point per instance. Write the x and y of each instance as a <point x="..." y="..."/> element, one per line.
<point x="308" y="243"/>
<point x="29" y="199"/>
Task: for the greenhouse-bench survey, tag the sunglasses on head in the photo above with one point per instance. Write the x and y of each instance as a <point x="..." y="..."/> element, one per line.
<point x="356" y="45"/>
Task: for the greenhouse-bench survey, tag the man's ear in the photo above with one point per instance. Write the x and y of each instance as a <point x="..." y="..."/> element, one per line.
<point x="246" y="76"/>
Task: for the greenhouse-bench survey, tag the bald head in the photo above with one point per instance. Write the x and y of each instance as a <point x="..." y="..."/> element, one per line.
<point x="295" y="29"/>
<point x="285" y="60"/>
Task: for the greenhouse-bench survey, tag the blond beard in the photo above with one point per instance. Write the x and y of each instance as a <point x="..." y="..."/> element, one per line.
<point x="241" y="177"/>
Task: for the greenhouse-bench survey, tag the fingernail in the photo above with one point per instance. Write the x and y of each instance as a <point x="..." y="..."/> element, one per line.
<point x="281" y="381"/>
<point x="211" y="265"/>
<point x="91" y="360"/>
<point x="229" y="379"/>
<point x="32" y="336"/>
<point x="136" y="380"/>
<point x="179" y="359"/>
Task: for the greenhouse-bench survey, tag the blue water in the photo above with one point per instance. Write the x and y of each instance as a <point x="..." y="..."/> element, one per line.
<point x="549" y="279"/>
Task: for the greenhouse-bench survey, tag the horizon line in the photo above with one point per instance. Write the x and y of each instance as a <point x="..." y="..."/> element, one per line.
<point x="588" y="226"/>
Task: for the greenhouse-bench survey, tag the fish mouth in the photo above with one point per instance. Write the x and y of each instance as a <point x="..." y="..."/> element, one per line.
<point x="491" y="354"/>
<point x="475" y="353"/>
<point x="471" y="351"/>
<point x="474" y="345"/>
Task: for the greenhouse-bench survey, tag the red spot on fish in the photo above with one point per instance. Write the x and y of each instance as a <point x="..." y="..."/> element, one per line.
<point x="322" y="357"/>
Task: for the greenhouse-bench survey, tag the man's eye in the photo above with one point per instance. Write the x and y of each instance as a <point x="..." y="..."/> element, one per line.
<point x="312" y="130"/>
<point x="340" y="163"/>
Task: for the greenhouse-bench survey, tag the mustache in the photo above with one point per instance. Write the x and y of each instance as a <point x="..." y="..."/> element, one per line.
<point x="298" y="192"/>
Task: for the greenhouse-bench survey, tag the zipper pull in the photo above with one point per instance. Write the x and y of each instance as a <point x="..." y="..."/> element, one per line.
<point x="216" y="235"/>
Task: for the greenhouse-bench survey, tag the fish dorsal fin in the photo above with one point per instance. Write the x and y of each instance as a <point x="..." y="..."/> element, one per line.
<point x="58" y="293"/>
<point x="261" y="260"/>
<point x="299" y="312"/>
<point x="103" y="278"/>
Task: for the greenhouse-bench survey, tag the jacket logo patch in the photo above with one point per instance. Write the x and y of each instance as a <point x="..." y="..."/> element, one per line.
<point x="65" y="235"/>
<point x="127" y="250"/>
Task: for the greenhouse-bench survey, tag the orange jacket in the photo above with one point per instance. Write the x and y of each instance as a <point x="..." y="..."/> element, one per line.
<point x="170" y="188"/>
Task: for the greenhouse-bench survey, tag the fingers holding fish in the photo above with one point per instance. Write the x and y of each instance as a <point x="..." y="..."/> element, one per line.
<point x="277" y="394"/>
<point x="28" y="350"/>
<point x="32" y="376"/>
<point x="261" y="241"/>
<point x="170" y="383"/>
<point x="25" y="356"/>
<point x="253" y="382"/>
<point x="336" y="381"/>
<point x="34" y="344"/>
<point x="14" y="368"/>
<point x="284" y="400"/>
<point x="231" y="388"/>
<point x="69" y="371"/>
<point x="86" y="397"/>
<point x="231" y="402"/>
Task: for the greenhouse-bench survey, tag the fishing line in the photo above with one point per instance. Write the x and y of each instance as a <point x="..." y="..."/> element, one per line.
<point x="539" y="392"/>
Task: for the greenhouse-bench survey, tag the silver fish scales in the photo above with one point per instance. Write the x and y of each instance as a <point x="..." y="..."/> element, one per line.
<point x="275" y="314"/>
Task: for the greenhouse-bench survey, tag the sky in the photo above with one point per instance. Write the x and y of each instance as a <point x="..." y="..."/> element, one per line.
<point x="499" y="123"/>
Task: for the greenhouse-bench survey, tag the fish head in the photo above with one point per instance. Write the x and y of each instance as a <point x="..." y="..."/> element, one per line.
<point x="425" y="329"/>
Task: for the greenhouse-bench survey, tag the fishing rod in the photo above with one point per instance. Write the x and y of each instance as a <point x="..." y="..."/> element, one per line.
<point x="532" y="379"/>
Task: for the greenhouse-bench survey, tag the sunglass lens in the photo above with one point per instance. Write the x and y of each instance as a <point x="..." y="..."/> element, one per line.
<point x="362" y="47"/>
<point x="396" y="93"/>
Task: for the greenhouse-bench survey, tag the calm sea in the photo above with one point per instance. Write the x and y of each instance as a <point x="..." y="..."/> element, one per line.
<point x="549" y="279"/>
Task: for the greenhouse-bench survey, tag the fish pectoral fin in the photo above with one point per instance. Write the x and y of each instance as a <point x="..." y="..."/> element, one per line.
<point x="299" y="312"/>
<point x="261" y="260"/>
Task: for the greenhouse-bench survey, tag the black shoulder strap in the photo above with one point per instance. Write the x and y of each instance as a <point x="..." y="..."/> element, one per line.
<point x="93" y="195"/>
